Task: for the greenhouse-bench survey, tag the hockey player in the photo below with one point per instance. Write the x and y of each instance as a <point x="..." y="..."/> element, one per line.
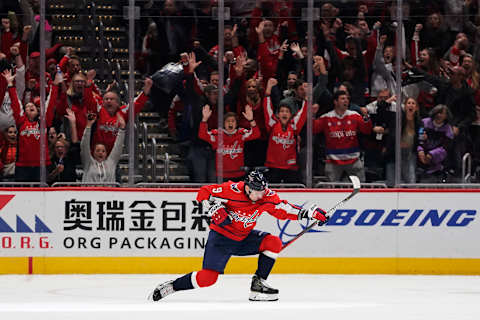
<point x="234" y="210"/>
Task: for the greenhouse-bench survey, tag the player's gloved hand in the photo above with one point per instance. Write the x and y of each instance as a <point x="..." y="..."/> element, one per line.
<point x="219" y="214"/>
<point x="314" y="212"/>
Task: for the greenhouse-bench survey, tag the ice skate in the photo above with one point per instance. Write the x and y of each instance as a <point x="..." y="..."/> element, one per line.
<point x="161" y="291"/>
<point x="261" y="291"/>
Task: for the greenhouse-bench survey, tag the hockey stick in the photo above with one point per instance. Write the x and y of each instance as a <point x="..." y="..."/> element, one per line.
<point x="356" y="189"/>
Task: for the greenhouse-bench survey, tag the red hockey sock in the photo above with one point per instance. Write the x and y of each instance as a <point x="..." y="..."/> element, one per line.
<point x="270" y="246"/>
<point x="204" y="278"/>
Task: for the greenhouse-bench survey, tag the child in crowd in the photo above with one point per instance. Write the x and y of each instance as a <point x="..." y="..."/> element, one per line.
<point x="233" y="141"/>
<point x="283" y="129"/>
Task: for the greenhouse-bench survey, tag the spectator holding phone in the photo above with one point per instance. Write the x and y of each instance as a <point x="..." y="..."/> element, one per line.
<point x="65" y="155"/>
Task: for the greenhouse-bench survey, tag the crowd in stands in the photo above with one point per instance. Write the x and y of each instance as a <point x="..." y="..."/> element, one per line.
<point x="85" y="126"/>
<point x="265" y="92"/>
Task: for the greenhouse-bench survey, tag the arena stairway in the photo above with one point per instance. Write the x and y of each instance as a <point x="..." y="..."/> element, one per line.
<point x="98" y="33"/>
<point x="159" y="149"/>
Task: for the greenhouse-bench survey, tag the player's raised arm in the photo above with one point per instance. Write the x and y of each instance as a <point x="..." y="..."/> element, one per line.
<point x="285" y="210"/>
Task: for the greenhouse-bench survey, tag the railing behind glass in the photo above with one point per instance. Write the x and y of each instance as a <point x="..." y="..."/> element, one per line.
<point x="21" y="185"/>
<point x="440" y="185"/>
<point x="86" y="184"/>
<point x="154" y="160"/>
<point x="144" y="160"/>
<point x="346" y="185"/>
<point x="169" y="185"/>
<point x="166" y="167"/>
<point x="466" y="167"/>
<point x="286" y="185"/>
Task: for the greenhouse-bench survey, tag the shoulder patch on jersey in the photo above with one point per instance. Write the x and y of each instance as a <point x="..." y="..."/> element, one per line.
<point x="270" y="193"/>
<point x="235" y="188"/>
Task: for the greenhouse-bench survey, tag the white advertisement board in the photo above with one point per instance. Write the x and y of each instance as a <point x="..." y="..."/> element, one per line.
<point x="170" y="223"/>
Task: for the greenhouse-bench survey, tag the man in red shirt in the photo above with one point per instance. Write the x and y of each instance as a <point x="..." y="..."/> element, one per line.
<point x="268" y="49"/>
<point x="107" y="128"/>
<point x="79" y="98"/>
<point x="230" y="43"/>
<point x="340" y="127"/>
<point x="234" y="209"/>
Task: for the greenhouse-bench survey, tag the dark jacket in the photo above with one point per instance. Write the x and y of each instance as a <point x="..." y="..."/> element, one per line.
<point x="460" y="101"/>
<point x="70" y="161"/>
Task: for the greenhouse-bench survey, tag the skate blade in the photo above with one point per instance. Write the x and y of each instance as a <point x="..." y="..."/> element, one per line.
<point x="150" y="296"/>
<point x="257" y="296"/>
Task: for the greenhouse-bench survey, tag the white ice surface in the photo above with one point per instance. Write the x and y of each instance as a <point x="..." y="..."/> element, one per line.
<point x="302" y="297"/>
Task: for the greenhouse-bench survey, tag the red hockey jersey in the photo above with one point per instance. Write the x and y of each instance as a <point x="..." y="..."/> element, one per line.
<point x="282" y="144"/>
<point x="80" y="108"/>
<point x="233" y="147"/>
<point x="29" y="133"/>
<point x="107" y="128"/>
<point x="242" y="211"/>
<point x="340" y="132"/>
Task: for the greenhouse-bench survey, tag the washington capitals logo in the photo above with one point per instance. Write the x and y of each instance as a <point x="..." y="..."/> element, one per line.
<point x="248" y="221"/>
<point x="286" y="141"/>
<point x="233" y="151"/>
<point x="31" y="130"/>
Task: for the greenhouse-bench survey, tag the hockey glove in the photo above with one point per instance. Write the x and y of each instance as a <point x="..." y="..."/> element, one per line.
<point x="219" y="215"/>
<point x="314" y="212"/>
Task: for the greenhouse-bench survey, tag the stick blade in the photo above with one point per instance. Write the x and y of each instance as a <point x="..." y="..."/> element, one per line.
<point x="355" y="183"/>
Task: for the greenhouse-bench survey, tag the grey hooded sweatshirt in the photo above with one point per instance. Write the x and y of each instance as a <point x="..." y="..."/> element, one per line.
<point x="104" y="171"/>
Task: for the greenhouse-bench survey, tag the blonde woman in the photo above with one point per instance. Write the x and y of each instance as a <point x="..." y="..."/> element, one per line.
<point x="99" y="166"/>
